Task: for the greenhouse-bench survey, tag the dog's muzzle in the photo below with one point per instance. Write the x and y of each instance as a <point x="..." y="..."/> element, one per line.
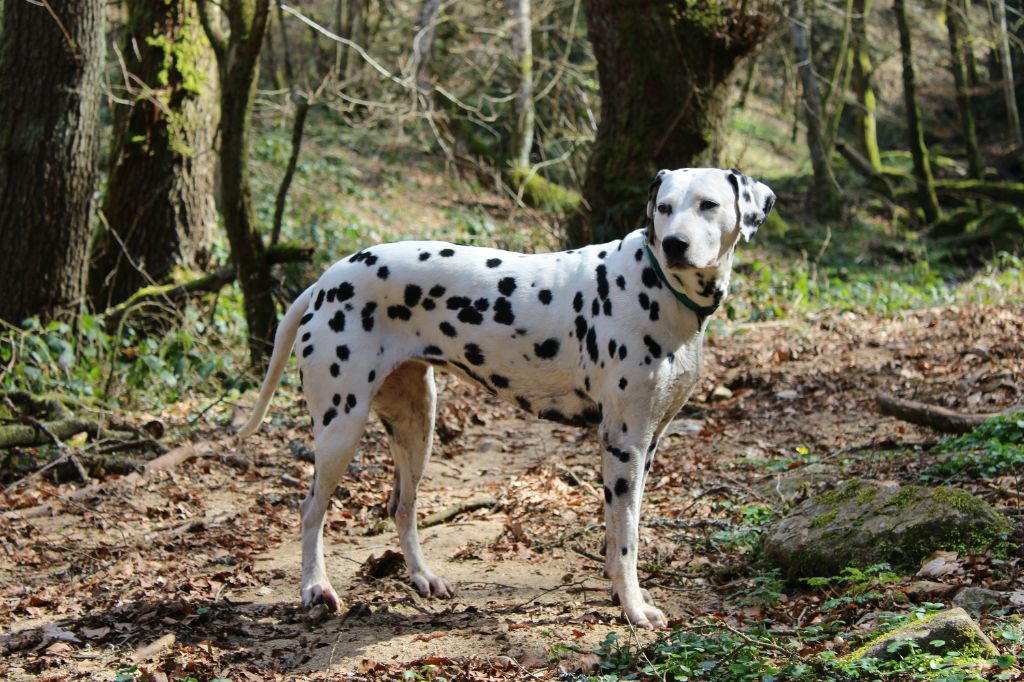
<point x="675" y="249"/>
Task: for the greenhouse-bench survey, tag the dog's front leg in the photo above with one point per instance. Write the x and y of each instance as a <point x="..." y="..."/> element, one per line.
<point x="623" y="466"/>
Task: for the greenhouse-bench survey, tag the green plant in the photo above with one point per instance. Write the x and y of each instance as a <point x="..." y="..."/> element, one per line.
<point x="854" y="586"/>
<point x="991" y="449"/>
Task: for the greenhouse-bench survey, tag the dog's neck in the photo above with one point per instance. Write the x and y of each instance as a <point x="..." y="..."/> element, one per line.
<point x="700" y="291"/>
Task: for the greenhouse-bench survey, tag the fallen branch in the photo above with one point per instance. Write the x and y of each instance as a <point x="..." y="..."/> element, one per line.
<point x="933" y="416"/>
<point x="288" y="252"/>
<point x="449" y="513"/>
<point x="31" y="435"/>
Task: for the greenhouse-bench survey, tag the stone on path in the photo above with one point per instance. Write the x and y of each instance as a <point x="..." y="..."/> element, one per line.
<point x="863" y="523"/>
<point x="954" y="628"/>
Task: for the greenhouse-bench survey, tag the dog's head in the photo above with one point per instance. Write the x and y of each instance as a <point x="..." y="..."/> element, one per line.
<point x="695" y="217"/>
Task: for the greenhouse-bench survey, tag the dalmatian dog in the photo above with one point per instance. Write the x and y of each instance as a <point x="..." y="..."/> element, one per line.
<point x="609" y="335"/>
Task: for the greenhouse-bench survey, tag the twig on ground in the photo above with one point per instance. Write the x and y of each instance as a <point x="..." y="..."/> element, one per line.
<point x="449" y="513"/>
<point x="933" y="416"/>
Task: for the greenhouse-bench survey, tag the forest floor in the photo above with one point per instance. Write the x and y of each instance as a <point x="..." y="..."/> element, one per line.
<point x="202" y="560"/>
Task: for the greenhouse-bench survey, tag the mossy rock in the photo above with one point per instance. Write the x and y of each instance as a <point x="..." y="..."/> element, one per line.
<point x="954" y="628"/>
<point x="862" y="523"/>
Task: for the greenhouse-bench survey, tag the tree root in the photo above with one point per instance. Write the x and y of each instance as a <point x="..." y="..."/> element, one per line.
<point x="933" y="416"/>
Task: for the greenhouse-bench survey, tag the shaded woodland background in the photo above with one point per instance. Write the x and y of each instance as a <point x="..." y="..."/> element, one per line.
<point x="174" y="172"/>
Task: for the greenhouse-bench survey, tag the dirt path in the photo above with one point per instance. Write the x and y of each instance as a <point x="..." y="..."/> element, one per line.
<point x="209" y="553"/>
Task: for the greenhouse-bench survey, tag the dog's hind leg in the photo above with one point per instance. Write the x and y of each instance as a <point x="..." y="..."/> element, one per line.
<point x="405" y="403"/>
<point x="335" y="445"/>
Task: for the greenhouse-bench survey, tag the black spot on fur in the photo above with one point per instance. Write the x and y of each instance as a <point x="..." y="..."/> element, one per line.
<point x="655" y="311"/>
<point x="367" y="315"/>
<point x="342" y="352"/>
<point x="399" y="312"/>
<point x="621" y="487"/>
<point x="307" y="351"/>
<point x="612" y="347"/>
<point x="474" y="354"/>
<point x="503" y="312"/>
<point x="620" y="282"/>
<point x="607" y="495"/>
<point x="481" y="304"/>
<point x="350" y="402"/>
<point x="447" y="329"/>
<point x="625" y="551"/>
<point x="592" y="345"/>
<point x="547" y="349"/>
<point x="602" y="281"/>
<point x="545" y="296"/>
<point x="506" y="285"/>
<point x="428" y="304"/>
<point x="577" y="301"/>
<point x="432" y="350"/>
<point x="650" y="279"/>
<point x="581" y="327"/>
<point x="607" y="307"/>
<point x="335" y="369"/>
<point x="524" y="403"/>
<point x="336" y="400"/>
<point x="622" y="455"/>
<point x="499" y="381"/>
<point x="645" y="300"/>
<point x="425" y="255"/>
<point x="623" y="382"/>
<point x="305" y="337"/>
<point x="319" y="300"/>
<point x="595" y="308"/>
<point x="329" y="416"/>
<point x="602" y="254"/>
<point x="343" y="292"/>
<point x="456" y="302"/>
<point x="493" y="262"/>
<point x="307" y="317"/>
<point x="653" y="347"/>
<point x="337" y="323"/>
<point x="412" y="295"/>
<point x="437" y="291"/>
<point x="470" y="316"/>
<point x="383" y="272"/>
<point x="639" y="255"/>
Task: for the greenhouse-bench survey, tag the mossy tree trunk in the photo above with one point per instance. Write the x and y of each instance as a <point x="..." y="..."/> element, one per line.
<point x="863" y="72"/>
<point x="954" y="25"/>
<point x="827" y="203"/>
<point x="663" y="69"/>
<point x="1006" y="64"/>
<point x="51" y="85"/>
<point x="159" y="206"/>
<point x="522" y="42"/>
<point x="915" y="132"/>
<point x="237" y="48"/>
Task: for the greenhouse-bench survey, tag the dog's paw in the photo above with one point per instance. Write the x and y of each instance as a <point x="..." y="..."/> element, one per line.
<point x="430" y="585"/>
<point x="646" y="617"/>
<point x="320" y="593"/>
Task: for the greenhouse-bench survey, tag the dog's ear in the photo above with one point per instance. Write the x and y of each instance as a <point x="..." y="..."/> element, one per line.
<point x="652" y="198"/>
<point x="754" y="201"/>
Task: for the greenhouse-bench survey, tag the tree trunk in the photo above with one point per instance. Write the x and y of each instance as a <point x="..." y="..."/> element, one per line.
<point x="839" y="84"/>
<point x="159" y="206"/>
<point x="423" y="43"/>
<point x="954" y="24"/>
<point x="1006" y="62"/>
<point x="237" y="54"/>
<point x="827" y="204"/>
<point x="663" y="69"/>
<point x="915" y="133"/>
<point x="522" y="142"/>
<point x="51" y="84"/>
<point x="863" y="71"/>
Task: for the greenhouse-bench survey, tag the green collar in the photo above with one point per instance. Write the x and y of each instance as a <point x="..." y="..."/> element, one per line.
<point x="702" y="311"/>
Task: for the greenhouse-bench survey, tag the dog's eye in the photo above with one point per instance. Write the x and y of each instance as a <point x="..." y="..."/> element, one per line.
<point x="664" y="209"/>
<point x="707" y="205"/>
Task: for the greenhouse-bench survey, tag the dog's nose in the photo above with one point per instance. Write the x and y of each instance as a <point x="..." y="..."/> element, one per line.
<point x="675" y="250"/>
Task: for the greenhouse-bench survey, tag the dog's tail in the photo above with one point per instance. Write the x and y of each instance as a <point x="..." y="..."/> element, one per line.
<point x="283" y="342"/>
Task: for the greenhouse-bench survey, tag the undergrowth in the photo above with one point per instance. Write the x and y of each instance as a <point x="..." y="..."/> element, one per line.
<point x="995" y="448"/>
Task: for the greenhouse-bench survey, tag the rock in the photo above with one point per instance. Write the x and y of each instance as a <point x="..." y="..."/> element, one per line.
<point x="799" y="482"/>
<point x="863" y="523"/>
<point x="317" y="614"/>
<point x="954" y="627"/>
<point x="940" y="564"/>
<point x="928" y="590"/>
<point x="977" y="599"/>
